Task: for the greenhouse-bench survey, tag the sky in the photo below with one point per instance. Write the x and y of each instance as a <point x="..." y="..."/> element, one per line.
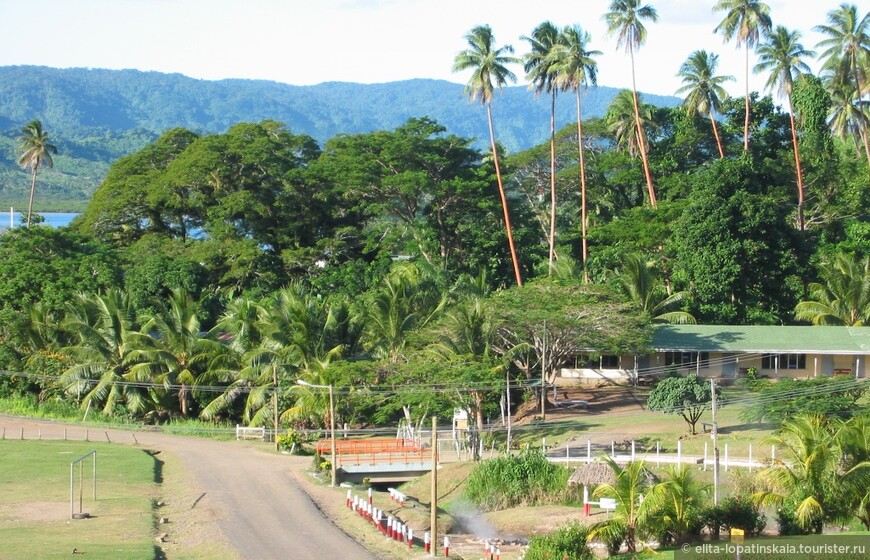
<point x="305" y="42"/>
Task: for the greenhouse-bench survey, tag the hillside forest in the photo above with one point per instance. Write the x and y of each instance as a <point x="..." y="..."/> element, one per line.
<point x="416" y="272"/>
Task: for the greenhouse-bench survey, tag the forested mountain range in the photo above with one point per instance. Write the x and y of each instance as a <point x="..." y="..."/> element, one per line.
<point x="95" y="116"/>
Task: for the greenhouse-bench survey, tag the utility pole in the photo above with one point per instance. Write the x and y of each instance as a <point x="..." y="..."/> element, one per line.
<point x="275" y="402"/>
<point x="544" y="377"/>
<point x="433" y="513"/>
<point x="332" y="436"/>
<point x="715" y="446"/>
<point x="508" y="397"/>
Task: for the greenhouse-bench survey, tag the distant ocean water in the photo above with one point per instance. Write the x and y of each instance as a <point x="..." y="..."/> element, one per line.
<point x="52" y="219"/>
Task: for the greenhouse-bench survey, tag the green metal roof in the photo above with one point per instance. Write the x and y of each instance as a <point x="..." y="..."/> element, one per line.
<point x="762" y="339"/>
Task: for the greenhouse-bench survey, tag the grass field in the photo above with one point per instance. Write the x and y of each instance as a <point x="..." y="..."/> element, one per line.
<point x="35" y="501"/>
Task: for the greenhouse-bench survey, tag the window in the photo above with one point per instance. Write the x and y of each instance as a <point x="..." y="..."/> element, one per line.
<point x="786" y="361"/>
<point x="687" y="359"/>
<point x="609" y="362"/>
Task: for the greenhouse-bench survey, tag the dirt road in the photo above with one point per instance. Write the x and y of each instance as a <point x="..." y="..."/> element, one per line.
<point x="255" y="496"/>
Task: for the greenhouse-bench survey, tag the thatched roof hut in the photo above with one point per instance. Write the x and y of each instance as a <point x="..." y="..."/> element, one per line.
<point x="595" y="473"/>
<point x="592" y="474"/>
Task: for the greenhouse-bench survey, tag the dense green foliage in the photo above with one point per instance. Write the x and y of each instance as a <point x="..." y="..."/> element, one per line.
<point x="734" y="512"/>
<point x="220" y="260"/>
<point x="568" y="541"/>
<point x="517" y="480"/>
<point x="786" y="398"/>
<point x="823" y="475"/>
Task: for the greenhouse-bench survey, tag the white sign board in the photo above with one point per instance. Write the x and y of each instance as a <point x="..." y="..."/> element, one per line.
<point x="608" y="503"/>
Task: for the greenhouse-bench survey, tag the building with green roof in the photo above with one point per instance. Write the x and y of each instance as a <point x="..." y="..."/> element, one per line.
<point x="725" y="351"/>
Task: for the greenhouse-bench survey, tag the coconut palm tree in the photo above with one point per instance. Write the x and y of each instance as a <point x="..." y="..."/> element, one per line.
<point x="849" y="117"/>
<point x="241" y="321"/>
<point x="398" y="307"/>
<point x="621" y="122"/>
<point x="180" y="353"/>
<point x="745" y="21"/>
<point x="781" y="55"/>
<point x="628" y="521"/>
<point x="808" y="480"/>
<point x="577" y="69"/>
<point x="105" y="350"/>
<point x="35" y="152"/>
<point x="854" y="441"/>
<point x="847" y="53"/>
<point x="640" y="283"/>
<point x="678" y="501"/>
<point x="489" y="66"/>
<point x="703" y="88"/>
<point x="625" y="20"/>
<point x="467" y="340"/>
<point x="843" y="296"/>
<point x="541" y="67"/>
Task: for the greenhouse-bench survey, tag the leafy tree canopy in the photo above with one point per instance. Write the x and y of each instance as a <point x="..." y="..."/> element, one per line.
<point x="687" y="396"/>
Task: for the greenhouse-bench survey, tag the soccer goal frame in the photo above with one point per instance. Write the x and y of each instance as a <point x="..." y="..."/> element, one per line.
<point x="81" y="463"/>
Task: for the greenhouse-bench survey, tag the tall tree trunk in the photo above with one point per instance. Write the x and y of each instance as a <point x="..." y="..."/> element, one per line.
<point x="504" y="204"/>
<point x="863" y="127"/>
<point x="640" y="135"/>
<point x="716" y="135"/>
<point x="182" y="400"/>
<point x="552" y="182"/>
<point x="32" y="192"/>
<point x="582" y="186"/>
<point x="746" y="118"/>
<point x="862" y="134"/>
<point x="797" y="165"/>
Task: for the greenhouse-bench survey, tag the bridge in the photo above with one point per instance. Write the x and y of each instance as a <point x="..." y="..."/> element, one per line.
<point x="380" y="460"/>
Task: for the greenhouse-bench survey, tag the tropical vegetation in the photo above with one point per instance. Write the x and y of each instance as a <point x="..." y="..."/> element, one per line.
<point x="409" y="272"/>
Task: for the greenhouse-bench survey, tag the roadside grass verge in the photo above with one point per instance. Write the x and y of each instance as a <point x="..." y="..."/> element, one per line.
<point x="63" y="411"/>
<point x="35" y="501"/>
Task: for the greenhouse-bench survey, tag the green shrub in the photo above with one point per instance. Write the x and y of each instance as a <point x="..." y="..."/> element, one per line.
<point x="568" y="541"/>
<point x="734" y="513"/>
<point x="289" y="439"/>
<point x="511" y="481"/>
<point x="790" y="397"/>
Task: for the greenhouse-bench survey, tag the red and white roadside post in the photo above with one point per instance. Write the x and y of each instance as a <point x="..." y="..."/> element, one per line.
<point x="370" y="496"/>
<point x="446" y="546"/>
<point x="497" y="553"/>
<point x="586" y="508"/>
<point x="390" y="527"/>
<point x="426" y="541"/>
<point x="486" y="550"/>
<point x="410" y="538"/>
<point x="349" y="499"/>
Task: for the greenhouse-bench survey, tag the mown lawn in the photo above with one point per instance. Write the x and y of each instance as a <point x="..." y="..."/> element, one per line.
<point x="628" y="420"/>
<point x="35" y="501"/>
